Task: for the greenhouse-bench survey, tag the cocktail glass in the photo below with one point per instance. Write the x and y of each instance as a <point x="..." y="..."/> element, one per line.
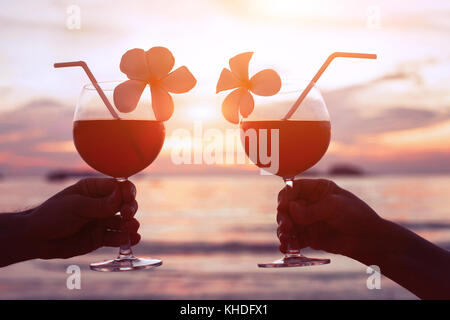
<point x="294" y="145"/>
<point x="118" y="145"/>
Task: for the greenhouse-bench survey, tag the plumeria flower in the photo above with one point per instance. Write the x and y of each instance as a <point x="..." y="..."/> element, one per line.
<point x="151" y="67"/>
<point x="265" y="83"/>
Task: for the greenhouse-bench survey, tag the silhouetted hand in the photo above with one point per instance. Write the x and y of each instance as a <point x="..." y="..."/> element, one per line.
<point x="323" y="216"/>
<point x="82" y="218"/>
<point x="326" y="217"/>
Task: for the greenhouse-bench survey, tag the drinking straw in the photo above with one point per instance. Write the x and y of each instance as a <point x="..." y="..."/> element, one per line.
<point x="94" y="82"/>
<point x="319" y="73"/>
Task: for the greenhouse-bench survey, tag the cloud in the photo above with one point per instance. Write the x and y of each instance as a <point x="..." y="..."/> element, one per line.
<point x="41" y="121"/>
<point x="399" y="100"/>
<point x="386" y="136"/>
<point x="349" y="124"/>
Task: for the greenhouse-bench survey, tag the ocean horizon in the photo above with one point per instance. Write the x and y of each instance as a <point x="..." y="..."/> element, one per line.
<point x="210" y="235"/>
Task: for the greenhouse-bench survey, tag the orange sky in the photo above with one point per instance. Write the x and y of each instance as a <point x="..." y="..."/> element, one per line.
<point x="386" y="115"/>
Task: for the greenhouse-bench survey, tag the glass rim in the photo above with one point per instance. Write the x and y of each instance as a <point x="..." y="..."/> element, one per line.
<point x="90" y="86"/>
<point x="287" y="86"/>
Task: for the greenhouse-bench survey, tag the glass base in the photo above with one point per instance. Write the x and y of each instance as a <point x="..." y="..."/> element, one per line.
<point x="125" y="263"/>
<point x="294" y="261"/>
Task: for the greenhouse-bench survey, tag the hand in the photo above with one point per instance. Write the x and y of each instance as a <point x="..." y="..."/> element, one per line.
<point x="82" y="218"/>
<point x="323" y="216"/>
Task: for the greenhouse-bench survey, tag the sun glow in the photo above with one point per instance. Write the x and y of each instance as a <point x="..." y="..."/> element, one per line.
<point x="201" y="112"/>
<point x="291" y="8"/>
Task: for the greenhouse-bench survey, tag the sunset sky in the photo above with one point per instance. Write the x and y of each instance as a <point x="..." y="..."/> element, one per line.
<point x="390" y="115"/>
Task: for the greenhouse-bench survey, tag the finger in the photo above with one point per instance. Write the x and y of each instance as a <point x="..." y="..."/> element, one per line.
<point x="311" y="190"/>
<point x="134" y="239"/>
<point x="118" y="238"/>
<point x="112" y="223"/>
<point x="290" y="240"/>
<point x="128" y="190"/>
<point x="284" y="237"/>
<point x="128" y="210"/>
<point x="96" y="187"/>
<point x="286" y="230"/>
<point x="115" y="239"/>
<point x="283" y="247"/>
<point x="117" y="223"/>
<point x="284" y="221"/>
<point x="99" y="207"/>
<point x="283" y="199"/>
<point x="306" y="214"/>
<point x="130" y="226"/>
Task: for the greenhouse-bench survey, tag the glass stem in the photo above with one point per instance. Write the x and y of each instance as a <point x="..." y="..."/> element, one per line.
<point x="125" y="248"/>
<point x="293" y="249"/>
